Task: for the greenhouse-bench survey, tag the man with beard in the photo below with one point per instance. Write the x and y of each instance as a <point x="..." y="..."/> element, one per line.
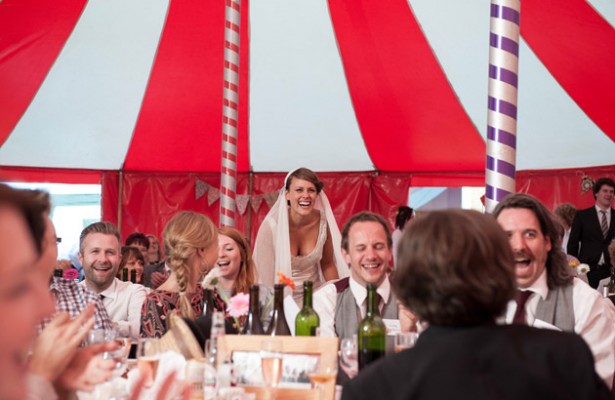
<point x="99" y="253"/>
<point x="549" y="296"/>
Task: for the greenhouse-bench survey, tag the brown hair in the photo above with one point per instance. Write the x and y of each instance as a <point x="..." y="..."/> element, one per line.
<point x="32" y="205"/>
<point x="247" y="271"/>
<point x="183" y="235"/>
<point x="558" y="273"/>
<point x="306" y="175"/>
<point x="127" y="253"/>
<point x="106" y="228"/>
<point x="365" y="216"/>
<point x="566" y="213"/>
<point x="455" y="267"/>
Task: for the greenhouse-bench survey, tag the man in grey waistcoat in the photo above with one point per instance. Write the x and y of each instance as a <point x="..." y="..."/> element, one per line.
<point x="549" y="296"/>
<point x="366" y="248"/>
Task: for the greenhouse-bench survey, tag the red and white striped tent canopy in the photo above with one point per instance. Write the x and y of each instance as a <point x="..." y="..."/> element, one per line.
<point x="395" y="86"/>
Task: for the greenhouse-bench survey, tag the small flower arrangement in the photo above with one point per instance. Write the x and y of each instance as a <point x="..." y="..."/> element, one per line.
<point x="283" y="279"/>
<point x="71" y="274"/>
<point x="237" y="306"/>
<point x="581" y="269"/>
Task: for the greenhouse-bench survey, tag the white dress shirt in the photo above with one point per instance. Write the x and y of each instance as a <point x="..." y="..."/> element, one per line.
<point x="123" y="301"/>
<point x="325" y="300"/>
<point x="594" y="320"/>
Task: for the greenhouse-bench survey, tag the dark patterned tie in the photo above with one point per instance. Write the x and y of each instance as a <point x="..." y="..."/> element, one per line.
<point x="521" y="298"/>
<point x="603" y="224"/>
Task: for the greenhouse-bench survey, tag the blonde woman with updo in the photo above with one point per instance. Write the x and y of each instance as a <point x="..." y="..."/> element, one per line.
<point x="192" y="243"/>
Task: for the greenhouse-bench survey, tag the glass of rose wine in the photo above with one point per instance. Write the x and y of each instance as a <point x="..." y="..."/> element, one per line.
<point x="147" y="359"/>
<point x="324" y="374"/>
<point x="271" y="362"/>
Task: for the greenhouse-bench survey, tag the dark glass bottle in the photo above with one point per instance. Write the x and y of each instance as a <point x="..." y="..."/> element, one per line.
<point x="307" y="321"/>
<point x="372" y="331"/>
<point x="252" y="325"/>
<point x="208" y="303"/>
<point x="133" y="276"/>
<point x="125" y="274"/>
<point x="278" y="325"/>
<point x="59" y="272"/>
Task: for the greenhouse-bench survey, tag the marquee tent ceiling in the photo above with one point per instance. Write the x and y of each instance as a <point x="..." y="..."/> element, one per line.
<point x="338" y="85"/>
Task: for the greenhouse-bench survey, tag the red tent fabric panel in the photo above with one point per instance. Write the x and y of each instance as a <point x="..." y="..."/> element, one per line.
<point x="17" y="174"/>
<point x="562" y="186"/>
<point x="409" y="116"/>
<point x="31" y="30"/>
<point x="150" y="200"/>
<point x="180" y="123"/>
<point x="576" y="45"/>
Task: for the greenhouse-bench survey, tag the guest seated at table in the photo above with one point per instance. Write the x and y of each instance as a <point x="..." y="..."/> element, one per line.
<point x="366" y="247"/>
<point x="236" y="272"/>
<point x="191" y="242"/>
<point x="154" y="253"/>
<point x="456" y="272"/>
<point x="132" y="260"/>
<point x="57" y="363"/>
<point x="549" y="295"/>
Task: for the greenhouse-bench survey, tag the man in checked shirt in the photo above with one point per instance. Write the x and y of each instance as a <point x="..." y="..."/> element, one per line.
<point x="69" y="295"/>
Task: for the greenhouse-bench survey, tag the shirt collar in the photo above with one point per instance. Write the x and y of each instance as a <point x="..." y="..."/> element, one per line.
<point x="360" y="292"/>
<point x="540" y="286"/>
<point x="108" y="293"/>
<point x="599" y="211"/>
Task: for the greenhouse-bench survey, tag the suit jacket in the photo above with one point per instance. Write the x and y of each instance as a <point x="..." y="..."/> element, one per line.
<point x="148" y="270"/>
<point x="586" y="232"/>
<point x="484" y="362"/>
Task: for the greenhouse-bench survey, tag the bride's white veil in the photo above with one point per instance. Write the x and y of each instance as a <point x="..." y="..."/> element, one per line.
<point x="272" y="247"/>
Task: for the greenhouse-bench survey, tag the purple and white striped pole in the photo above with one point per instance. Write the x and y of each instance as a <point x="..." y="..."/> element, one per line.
<point x="228" y="172"/>
<point x="502" y="113"/>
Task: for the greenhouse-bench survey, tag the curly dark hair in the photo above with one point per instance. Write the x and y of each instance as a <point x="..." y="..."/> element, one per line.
<point x="601" y="182"/>
<point x="404" y="214"/>
<point x="455" y="268"/>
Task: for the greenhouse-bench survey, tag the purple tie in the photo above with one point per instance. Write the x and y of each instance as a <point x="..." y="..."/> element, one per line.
<point x="521" y="298"/>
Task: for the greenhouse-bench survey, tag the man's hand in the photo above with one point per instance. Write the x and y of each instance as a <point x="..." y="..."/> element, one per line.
<point x="407" y="319"/>
<point x="158" y="278"/>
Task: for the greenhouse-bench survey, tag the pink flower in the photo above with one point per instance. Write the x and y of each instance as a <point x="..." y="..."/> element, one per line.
<point x="70" y="274"/>
<point x="238" y="305"/>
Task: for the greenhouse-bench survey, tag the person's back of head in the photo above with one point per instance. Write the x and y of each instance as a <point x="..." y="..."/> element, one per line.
<point x="455" y="268"/>
<point x="404" y="214"/>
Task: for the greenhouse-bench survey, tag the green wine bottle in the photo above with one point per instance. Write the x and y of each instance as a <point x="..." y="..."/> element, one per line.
<point x="372" y="331"/>
<point x="125" y="274"/>
<point x="307" y="321"/>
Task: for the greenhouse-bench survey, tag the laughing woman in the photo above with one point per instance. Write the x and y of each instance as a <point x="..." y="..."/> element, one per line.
<point x="299" y="236"/>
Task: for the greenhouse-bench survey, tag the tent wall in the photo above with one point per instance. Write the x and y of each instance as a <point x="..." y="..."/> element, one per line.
<point x="150" y="200"/>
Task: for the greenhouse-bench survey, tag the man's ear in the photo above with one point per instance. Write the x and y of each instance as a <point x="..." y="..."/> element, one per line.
<point x="346" y="256"/>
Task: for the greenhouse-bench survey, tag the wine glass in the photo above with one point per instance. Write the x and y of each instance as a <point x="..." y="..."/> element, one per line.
<point x="404" y="340"/>
<point x="324" y="374"/>
<point x="120" y="354"/>
<point x="271" y="362"/>
<point x="349" y="352"/>
<point x="147" y="359"/>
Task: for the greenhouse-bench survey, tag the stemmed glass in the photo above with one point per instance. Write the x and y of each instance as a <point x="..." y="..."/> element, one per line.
<point x="271" y="362"/>
<point x="147" y="360"/>
<point x="324" y="373"/>
<point x="349" y="356"/>
<point x="119" y="355"/>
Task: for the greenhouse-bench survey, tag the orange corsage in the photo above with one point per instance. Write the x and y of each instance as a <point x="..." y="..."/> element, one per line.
<point x="286" y="280"/>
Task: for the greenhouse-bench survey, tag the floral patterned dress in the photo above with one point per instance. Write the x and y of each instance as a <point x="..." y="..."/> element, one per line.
<point x="158" y="304"/>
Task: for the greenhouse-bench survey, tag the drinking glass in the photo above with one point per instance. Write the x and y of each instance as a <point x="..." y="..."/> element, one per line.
<point x="349" y="351"/>
<point x="324" y="373"/>
<point x="119" y="355"/>
<point x="271" y="362"/>
<point x="147" y="359"/>
<point x="405" y="340"/>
